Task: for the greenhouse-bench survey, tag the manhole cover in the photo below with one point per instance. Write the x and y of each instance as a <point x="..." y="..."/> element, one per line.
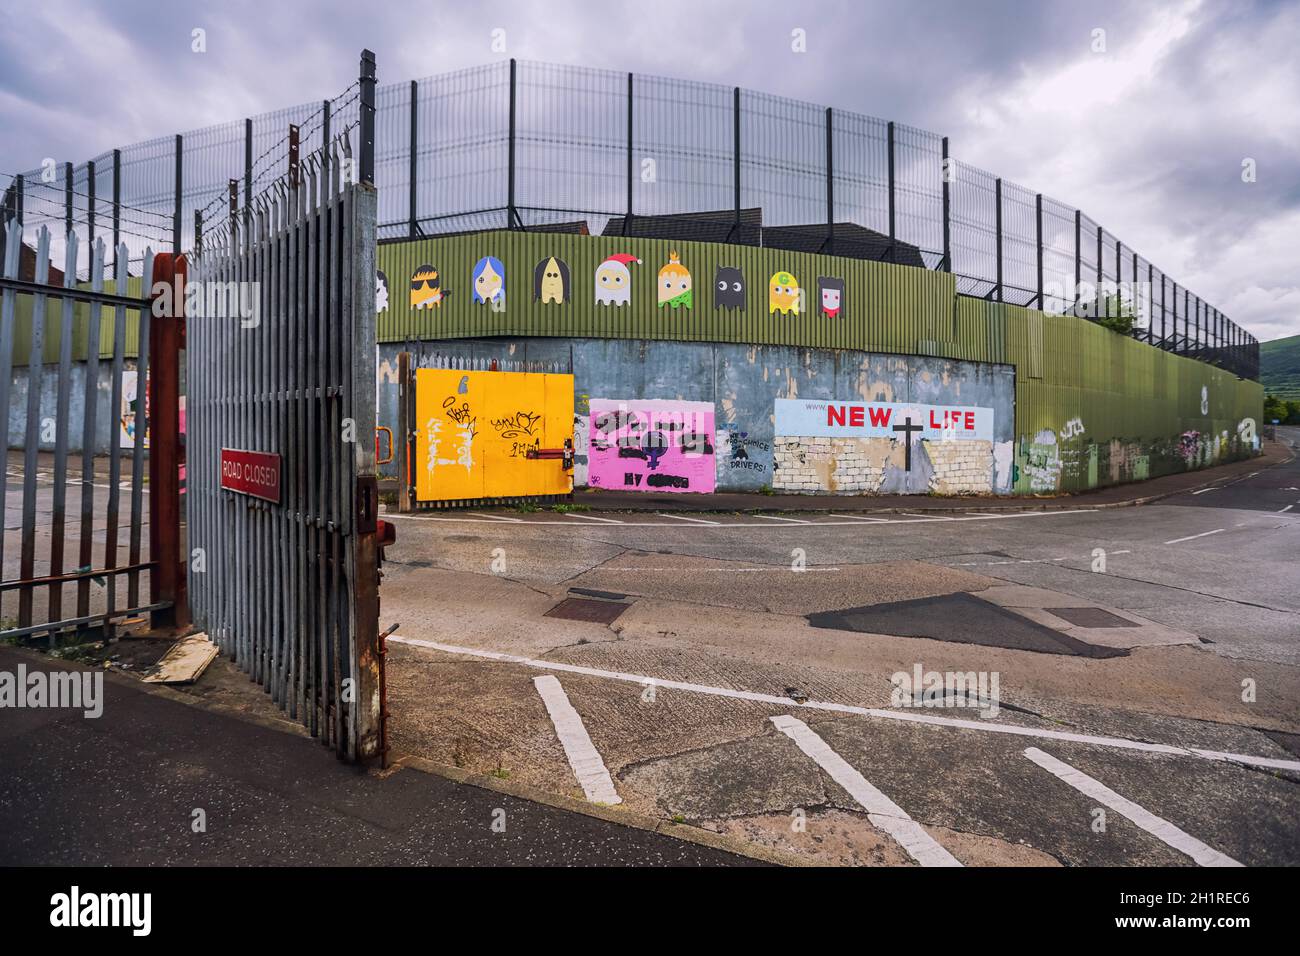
<point x="581" y="609"/>
<point x="1090" y="617"/>
<point x="961" y="618"/>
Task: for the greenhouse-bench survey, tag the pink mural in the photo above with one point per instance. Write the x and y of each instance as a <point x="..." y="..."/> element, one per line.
<point x="651" y="445"/>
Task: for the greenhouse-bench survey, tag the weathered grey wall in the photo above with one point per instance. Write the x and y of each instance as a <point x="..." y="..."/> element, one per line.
<point x="742" y="381"/>
<point x="106" y="417"/>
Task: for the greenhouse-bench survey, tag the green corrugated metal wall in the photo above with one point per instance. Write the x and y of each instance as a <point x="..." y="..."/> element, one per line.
<point x="1135" y="403"/>
<point x="54" y="327"/>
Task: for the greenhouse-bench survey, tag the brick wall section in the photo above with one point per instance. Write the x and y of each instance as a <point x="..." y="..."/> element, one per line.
<point x="857" y="465"/>
<point x="843" y="465"/>
<point x="961" y="467"/>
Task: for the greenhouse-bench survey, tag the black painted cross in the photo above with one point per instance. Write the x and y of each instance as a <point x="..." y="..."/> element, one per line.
<point x="907" y="429"/>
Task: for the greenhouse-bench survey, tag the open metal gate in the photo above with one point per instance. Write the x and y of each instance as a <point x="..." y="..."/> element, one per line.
<point x="282" y="496"/>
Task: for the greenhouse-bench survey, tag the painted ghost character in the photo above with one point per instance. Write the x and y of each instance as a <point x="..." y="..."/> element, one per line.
<point x="489" y="280"/>
<point x="551" y="281"/>
<point x="614" y="280"/>
<point x="729" y="288"/>
<point x="674" y="284"/>
<point x="426" y="288"/>
<point x="381" y="291"/>
<point x="783" y="294"/>
<point x="830" y="290"/>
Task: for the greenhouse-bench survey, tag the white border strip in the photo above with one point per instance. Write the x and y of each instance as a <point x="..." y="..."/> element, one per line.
<point x="883" y="813"/>
<point x="401" y="516"/>
<point x="984" y="726"/>
<point x="583" y="756"/>
<point x="1158" y="827"/>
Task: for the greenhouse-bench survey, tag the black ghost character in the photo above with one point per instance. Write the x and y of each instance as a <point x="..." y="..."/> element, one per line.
<point x="729" y="288"/>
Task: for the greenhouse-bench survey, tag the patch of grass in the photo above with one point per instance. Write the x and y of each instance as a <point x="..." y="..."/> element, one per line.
<point x="526" y="507"/>
<point x="678" y="818"/>
<point x="766" y="490"/>
<point x="501" y="773"/>
<point x="565" y="508"/>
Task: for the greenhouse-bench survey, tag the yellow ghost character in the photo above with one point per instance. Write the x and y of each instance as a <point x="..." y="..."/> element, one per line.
<point x="783" y="294"/>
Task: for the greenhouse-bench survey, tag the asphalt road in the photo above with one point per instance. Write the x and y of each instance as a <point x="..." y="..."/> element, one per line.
<point x="124" y="788"/>
<point x="716" y="616"/>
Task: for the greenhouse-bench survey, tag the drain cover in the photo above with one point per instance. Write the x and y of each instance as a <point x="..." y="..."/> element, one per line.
<point x="1089" y="617"/>
<point x="581" y="609"/>
<point x="962" y="619"/>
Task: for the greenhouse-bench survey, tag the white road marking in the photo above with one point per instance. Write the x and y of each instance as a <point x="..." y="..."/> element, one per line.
<point x="983" y="726"/>
<point x="570" y="514"/>
<point x="1160" y="828"/>
<point x="1286" y="509"/>
<point x="1193" y="537"/>
<point x="912" y="514"/>
<point x="860" y="518"/>
<point x="480" y="514"/>
<point x="883" y="813"/>
<point x="695" y="520"/>
<point x="1204" y="490"/>
<point x="778" y="518"/>
<point x="583" y="756"/>
<point x="783" y="570"/>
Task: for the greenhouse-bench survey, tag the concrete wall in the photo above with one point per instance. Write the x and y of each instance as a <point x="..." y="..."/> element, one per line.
<point x="741" y="384"/>
<point x="106" y="417"/>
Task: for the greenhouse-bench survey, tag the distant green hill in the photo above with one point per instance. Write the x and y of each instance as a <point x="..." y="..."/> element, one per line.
<point x="1279" y="367"/>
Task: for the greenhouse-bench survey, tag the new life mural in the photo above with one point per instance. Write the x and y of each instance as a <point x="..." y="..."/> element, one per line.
<point x="884" y="448"/>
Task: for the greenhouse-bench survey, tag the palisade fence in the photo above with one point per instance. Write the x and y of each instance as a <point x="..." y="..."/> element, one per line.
<point x="533" y="146"/>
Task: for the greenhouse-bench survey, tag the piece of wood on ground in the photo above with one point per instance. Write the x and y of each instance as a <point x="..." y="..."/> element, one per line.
<point x="184" y="662"/>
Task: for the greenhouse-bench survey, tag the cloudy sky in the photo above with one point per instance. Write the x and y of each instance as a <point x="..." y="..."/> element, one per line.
<point x="1148" y="137"/>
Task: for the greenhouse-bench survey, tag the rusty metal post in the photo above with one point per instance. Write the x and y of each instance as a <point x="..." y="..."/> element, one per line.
<point x="167" y="579"/>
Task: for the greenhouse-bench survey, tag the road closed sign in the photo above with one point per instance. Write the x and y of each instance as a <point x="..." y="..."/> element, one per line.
<point x="255" y="473"/>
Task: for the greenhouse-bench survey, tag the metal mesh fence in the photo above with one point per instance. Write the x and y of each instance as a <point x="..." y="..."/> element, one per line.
<point x="528" y="145"/>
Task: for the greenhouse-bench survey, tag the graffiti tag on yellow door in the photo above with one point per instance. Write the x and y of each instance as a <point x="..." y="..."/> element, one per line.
<point x="474" y="431"/>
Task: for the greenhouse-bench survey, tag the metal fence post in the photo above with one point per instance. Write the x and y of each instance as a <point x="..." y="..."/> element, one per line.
<point x="325" y="135"/>
<point x="198" y="231"/>
<point x="889" y="137"/>
<point x="511" y="214"/>
<point x="1150" y="297"/>
<point x="366" y="116"/>
<point x="167" y="579"/>
<point x="1078" y="256"/>
<point x="90" y="207"/>
<point x="947" y="210"/>
<point x="830" y="183"/>
<point x="1097" y="314"/>
<point x="176" y="213"/>
<point x="1119" y="280"/>
<point x="67" y="199"/>
<point x="735" y="158"/>
<point x="1038" y="234"/>
<point x="117" y="203"/>
<point x="627" y="216"/>
<point x="997" y="232"/>
<point x="411" y="228"/>
<point x="19" y="183"/>
<point x="248" y="174"/>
